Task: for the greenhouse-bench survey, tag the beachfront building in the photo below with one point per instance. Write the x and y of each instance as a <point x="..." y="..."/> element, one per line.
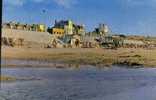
<point x="13" y="25"/>
<point x="62" y="28"/>
<point x="101" y="30"/>
<point x="5" y="25"/>
<point x="41" y="28"/>
<point x="68" y="32"/>
<point x="79" y="29"/>
<point x="20" y="26"/>
<point x="66" y="25"/>
<point x="38" y="27"/>
<point x="133" y="43"/>
<point x="58" y="32"/>
<point x="90" y="39"/>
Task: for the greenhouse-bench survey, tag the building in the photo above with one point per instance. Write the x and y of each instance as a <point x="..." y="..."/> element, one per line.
<point x="61" y="28"/>
<point x="28" y="27"/>
<point x="66" y="25"/>
<point x="19" y="26"/>
<point x="69" y="27"/>
<point x="79" y="29"/>
<point x="41" y="28"/>
<point x="6" y="25"/>
<point x="13" y="25"/>
<point x="133" y="43"/>
<point x="58" y="32"/>
<point x="102" y="30"/>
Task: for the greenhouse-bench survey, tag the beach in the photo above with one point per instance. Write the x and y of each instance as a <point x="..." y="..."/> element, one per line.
<point x="83" y="56"/>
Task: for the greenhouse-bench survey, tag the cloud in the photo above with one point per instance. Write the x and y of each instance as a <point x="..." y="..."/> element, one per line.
<point x="65" y="3"/>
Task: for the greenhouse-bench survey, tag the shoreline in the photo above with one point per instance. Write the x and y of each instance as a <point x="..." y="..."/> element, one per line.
<point x="60" y="65"/>
<point x="4" y="78"/>
<point x="83" y="56"/>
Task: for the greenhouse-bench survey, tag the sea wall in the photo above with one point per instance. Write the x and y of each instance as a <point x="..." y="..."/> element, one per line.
<point x="28" y="38"/>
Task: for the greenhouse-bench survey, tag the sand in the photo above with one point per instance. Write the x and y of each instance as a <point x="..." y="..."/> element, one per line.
<point x="89" y="56"/>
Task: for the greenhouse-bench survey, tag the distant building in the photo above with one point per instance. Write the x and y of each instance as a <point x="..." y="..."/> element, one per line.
<point x="42" y="28"/>
<point x="13" y="25"/>
<point x="79" y="29"/>
<point x="58" y="32"/>
<point x="66" y="25"/>
<point x="6" y="25"/>
<point x="133" y="43"/>
<point x="19" y="26"/>
<point x="68" y="32"/>
<point x="102" y="30"/>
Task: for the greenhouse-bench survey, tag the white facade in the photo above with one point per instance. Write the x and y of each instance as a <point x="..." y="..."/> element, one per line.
<point x="134" y="42"/>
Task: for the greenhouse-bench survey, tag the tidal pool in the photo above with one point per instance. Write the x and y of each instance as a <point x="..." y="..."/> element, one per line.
<point x="80" y="84"/>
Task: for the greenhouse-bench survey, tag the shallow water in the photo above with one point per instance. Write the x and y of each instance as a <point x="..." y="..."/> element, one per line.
<point x="80" y="84"/>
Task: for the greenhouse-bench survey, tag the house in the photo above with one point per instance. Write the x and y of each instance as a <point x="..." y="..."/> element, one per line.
<point x="133" y="43"/>
<point x="58" y="32"/>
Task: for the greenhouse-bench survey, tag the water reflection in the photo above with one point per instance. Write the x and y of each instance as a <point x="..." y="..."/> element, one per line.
<point x="82" y="84"/>
<point x="69" y="66"/>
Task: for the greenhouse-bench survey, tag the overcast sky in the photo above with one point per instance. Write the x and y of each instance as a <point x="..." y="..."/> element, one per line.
<point x="122" y="16"/>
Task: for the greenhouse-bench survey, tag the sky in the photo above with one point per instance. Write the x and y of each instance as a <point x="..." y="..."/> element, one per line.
<point x="136" y="17"/>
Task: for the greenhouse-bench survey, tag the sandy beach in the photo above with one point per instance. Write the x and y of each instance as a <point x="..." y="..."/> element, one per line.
<point x="86" y="56"/>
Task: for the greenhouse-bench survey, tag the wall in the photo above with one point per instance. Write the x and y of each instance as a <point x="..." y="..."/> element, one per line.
<point x="30" y="37"/>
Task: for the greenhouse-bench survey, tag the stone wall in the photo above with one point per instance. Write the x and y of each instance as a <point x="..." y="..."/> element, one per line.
<point x="14" y="37"/>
